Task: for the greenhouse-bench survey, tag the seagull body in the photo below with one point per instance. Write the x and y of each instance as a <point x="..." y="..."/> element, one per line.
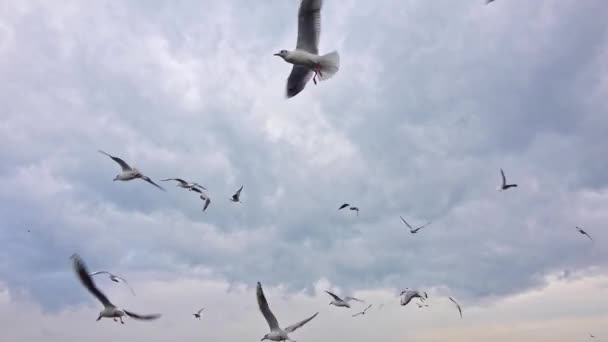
<point x="186" y="185"/>
<point x="580" y="230"/>
<point x="407" y="295"/>
<point x="339" y="302"/>
<point x="198" y="314"/>
<point x="363" y="312"/>
<point x="343" y="206"/>
<point x="457" y="305"/>
<point x="305" y="58"/>
<point x="114" y="278"/>
<point x="129" y="173"/>
<point x="109" y="309"/>
<point x="237" y="195"/>
<point x="276" y="333"/>
<point x="504" y="185"/>
<point x="412" y="229"/>
<point x="207" y="201"/>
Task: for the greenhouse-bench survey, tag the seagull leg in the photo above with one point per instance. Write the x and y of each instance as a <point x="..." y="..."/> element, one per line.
<point x="121" y="322"/>
<point x="317" y="73"/>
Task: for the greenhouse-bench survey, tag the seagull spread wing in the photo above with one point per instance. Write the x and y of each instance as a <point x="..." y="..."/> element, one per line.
<point x="348" y="299"/>
<point x="265" y="309"/>
<point x="407" y="224"/>
<point x="504" y="179"/>
<point x="123" y="165"/>
<point x="123" y="280"/>
<point x="179" y="180"/>
<point x="238" y="192"/>
<point x="367" y="308"/>
<point x="196" y="185"/>
<point x="99" y="272"/>
<point x="199" y="311"/>
<point x="207" y="202"/>
<point x="142" y="317"/>
<point x="83" y="274"/>
<point x="299" y="76"/>
<point x="343" y="206"/>
<point x="457" y="305"/>
<point x="298" y="325"/>
<point x="309" y="26"/>
<point x="334" y="296"/>
<point x="147" y="179"/>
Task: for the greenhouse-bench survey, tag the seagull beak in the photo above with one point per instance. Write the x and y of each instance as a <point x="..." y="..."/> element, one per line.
<point x="277" y="54"/>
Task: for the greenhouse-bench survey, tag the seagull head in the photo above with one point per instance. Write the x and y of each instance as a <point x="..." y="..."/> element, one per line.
<point x="283" y="54"/>
<point x="116" y="178"/>
<point x="264" y="338"/>
<point x="99" y="317"/>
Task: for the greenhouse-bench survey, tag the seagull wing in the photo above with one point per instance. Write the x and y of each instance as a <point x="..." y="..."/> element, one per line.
<point x="309" y="26"/>
<point x="334" y="296"/>
<point x="367" y="308"/>
<point x="299" y="76"/>
<point x="199" y="311"/>
<point x="123" y="280"/>
<point x="457" y="305"/>
<point x="357" y="314"/>
<point x="343" y="206"/>
<point x="83" y="274"/>
<point x="179" y="180"/>
<point x="123" y="165"/>
<point x="407" y="224"/>
<point x="589" y="236"/>
<point x="99" y="272"/>
<point x="348" y="299"/>
<point x="196" y="185"/>
<point x="504" y="179"/>
<point x="147" y="179"/>
<point x="265" y="309"/>
<point x="298" y="325"/>
<point x="207" y="202"/>
<point x="142" y="317"/>
<point x="195" y="189"/>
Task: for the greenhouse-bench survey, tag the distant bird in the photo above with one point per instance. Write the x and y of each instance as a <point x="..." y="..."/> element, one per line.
<point x="207" y="201"/>
<point x="198" y="314"/>
<point x="276" y="333"/>
<point x="457" y="305"/>
<point x="114" y="278"/>
<point x="109" y="310"/>
<point x="129" y="173"/>
<point x="305" y="58"/>
<point x="237" y="195"/>
<point x="407" y="296"/>
<point x="591" y="335"/>
<point x="583" y="232"/>
<point x="343" y="206"/>
<point x="504" y="185"/>
<point x="186" y="185"/>
<point x="355" y="209"/>
<point x="337" y="301"/>
<point x="412" y="229"/>
<point x="362" y="312"/>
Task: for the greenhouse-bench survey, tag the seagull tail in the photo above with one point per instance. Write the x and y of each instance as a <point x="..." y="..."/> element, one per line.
<point x="329" y="65"/>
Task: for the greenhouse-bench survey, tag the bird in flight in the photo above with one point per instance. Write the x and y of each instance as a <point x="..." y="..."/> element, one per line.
<point x="337" y="301"/>
<point x="580" y="230"/>
<point x="109" y="309"/>
<point x="186" y="185"/>
<point x="362" y="312"/>
<point x="276" y="333"/>
<point x="305" y="58"/>
<point x="129" y="173"/>
<point x="114" y="278"/>
<point x="504" y="185"/>
<point x="407" y="295"/>
<point x="237" y="195"/>
<point x="591" y="335"/>
<point x="343" y="206"/>
<point x="198" y="314"/>
<point x="412" y="229"/>
<point x="457" y="305"/>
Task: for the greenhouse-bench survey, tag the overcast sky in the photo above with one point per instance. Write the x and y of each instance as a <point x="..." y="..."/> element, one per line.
<point x="431" y="100"/>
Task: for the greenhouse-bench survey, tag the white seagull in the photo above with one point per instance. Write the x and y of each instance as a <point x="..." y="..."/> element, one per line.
<point x="198" y="314"/>
<point x="362" y="312"/>
<point x="114" y="278"/>
<point x="129" y="173"/>
<point x="186" y="185"/>
<point x="207" y="200"/>
<point x="580" y="230"/>
<point x="237" y="195"/>
<point x="407" y="295"/>
<point x="305" y="58"/>
<point x="109" y="310"/>
<point x="457" y="305"/>
<point x="412" y="229"/>
<point x="276" y="333"/>
<point x="337" y="301"/>
<point x="504" y="185"/>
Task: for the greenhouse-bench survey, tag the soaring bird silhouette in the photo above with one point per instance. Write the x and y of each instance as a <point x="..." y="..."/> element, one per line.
<point x="504" y="185"/>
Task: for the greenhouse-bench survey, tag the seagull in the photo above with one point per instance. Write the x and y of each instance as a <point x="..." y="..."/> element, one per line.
<point x="114" y="278"/>
<point x="457" y="305"/>
<point x="207" y="201"/>
<point x="305" y="58"/>
<point x="186" y="185"/>
<point x="408" y="295"/>
<point x="412" y="229"/>
<point x="198" y="314"/>
<point x="109" y="310"/>
<point x="355" y="209"/>
<point x="276" y="333"/>
<point x="337" y="301"/>
<point x="343" y="206"/>
<point x="237" y="195"/>
<point x="362" y="312"/>
<point x="591" y="335"/>
<point x="504" y="185"/>
<point x="129" y="173"/>
<point x="583" y="232"/>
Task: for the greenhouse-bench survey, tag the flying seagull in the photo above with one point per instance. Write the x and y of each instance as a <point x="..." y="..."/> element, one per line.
<point x="305" y="58"/>
<point x="457" y="305"/>
<point x="114" y="278"/>
<point x="129" y="173"/>
<point x="337" y="301"/>
<point x="362" y="312"/>
<point x="109" y="310"/>
<point x="186" y="185"/>
<point x="207" y="201"/>
<point x="407" y="296"/>
<point x="343" y="206"/>
<point x="276" y="333"/>
<point x="355" y="209"/>
<point x="583" y="232"/>
<point x="198" y="314"/>
<point x="504" y="185"/>
<point x="412" y="229"/>
<point x="237" y="195"/>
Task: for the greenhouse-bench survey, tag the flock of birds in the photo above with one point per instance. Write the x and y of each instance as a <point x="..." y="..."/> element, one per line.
<point x="307" y="63"/>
